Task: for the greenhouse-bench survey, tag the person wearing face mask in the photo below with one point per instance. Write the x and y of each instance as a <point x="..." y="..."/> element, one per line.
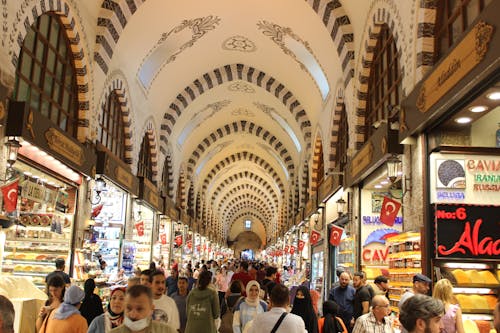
<point x="302" y="306"/>
<point x="66" y="318"/>
<point x="113" y="317"/>
<point x="248" y="308"/>
<point x="138" y="312"/>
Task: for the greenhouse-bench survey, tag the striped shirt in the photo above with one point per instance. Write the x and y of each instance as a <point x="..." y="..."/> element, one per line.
<point x="367" y="323"/>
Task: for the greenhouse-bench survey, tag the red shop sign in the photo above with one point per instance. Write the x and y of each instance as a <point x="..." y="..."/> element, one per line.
<point x="467" y="231"/>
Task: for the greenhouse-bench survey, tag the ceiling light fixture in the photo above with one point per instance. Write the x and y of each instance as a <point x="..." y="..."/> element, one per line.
<point x="478" y="108"/>
<point x="494" y="96"/>
<point x="378" y="186"/>
<point x="463" y="120"/>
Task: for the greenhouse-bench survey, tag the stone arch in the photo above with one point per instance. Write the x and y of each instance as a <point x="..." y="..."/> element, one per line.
<point x="230" y="73"/>
<point x="241" y="206"/>
<point x="380" y="16"/>
<point x="237" y="157"/>
<point x="270" y="196"/>
<point x="149" y="131"/>
<point x="247" y="214"/>
<point x="254" y="192"/>
<point x="62" y="9"/>
<point x="339" y="27"/>
<point x="247" y="198"/>
<point x="241" y="126"/>
<point x="318" y="165"/>
<point x="167" y="186"/>
<point x="426" y="22"/>
<point x="336" y="117"/>
<point x="120" y="87"/>
<point x="113" y="17"/>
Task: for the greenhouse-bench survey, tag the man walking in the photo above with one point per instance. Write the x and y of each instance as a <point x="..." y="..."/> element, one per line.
<point x="343" y="295"/>
<point x="422" y="314"/>
<point x="165" y="309"/>
<point x="377" y="319"/>
<point x="362" y="297"/>
<point x="180" y="297"/>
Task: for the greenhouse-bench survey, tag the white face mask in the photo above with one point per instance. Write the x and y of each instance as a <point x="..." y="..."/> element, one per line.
<point x="137" y="325"/>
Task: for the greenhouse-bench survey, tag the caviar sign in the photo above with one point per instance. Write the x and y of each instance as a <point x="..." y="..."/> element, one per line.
<point x="466" y="231"/>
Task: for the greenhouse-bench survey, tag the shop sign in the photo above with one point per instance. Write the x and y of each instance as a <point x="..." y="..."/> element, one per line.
<point x="33" y="191"/>
<point x="459" y="62"/>
<point x="328" y="186"/>
<point x="124" y="177"/>
<point x="64" y="146"/>
<point x="362" y="160"/>
<point x="467" y="231"/>
<point x="375" y="255"/>
<point x="375" y="220"/>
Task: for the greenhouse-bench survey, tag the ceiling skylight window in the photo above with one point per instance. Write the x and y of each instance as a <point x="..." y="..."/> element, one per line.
<point x="299" y="50"/>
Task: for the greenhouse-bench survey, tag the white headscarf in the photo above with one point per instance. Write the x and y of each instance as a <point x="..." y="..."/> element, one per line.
<point x="249" y="301"/>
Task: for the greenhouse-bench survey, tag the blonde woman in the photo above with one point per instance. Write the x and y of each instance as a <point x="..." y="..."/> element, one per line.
<point x="452" y="319"/>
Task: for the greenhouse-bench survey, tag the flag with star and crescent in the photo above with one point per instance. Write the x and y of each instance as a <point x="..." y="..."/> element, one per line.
<point x="389" y="211"/>
<point x="336" y="235"/>
<point x="9" y="192"/>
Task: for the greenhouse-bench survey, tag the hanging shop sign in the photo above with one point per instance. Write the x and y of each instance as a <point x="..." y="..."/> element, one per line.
<point x="47" y="136"/>
<point x="311" y="205"/>
<point x="170" y="209"/>
<point x="467" y="231"/>
<point x="116" y="170"/>
<point x="149" y="193"/>
<point x="330" y="185"/>
<point x="465" y="66"/>
<point x="382" y="144"/>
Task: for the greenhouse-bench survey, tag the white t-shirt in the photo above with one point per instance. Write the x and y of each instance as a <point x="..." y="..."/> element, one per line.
<point x="166" y="311"/>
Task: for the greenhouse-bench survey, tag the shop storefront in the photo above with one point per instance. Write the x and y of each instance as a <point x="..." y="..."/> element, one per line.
<point x="162" y="249"/>
<point x="455" y="111"/>
<point x="44" y="195"/>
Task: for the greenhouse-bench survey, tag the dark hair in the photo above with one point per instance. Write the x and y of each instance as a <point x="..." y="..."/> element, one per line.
<point x="182" y="278"/>
<point x="148" y="273"/>
<point x="156" y="273"/>
<point x="381" y="279"/>
<point x="204" y="279"/>
<point x="7" y="314"/>
<point x="60" y="263"/>
<point x="330" y="311"/>
<point x="152" y="266"/>
<point x="89" y="287"/>
<point x="138" y="290"/>
<point x="271" y="270"/>
<point x="279" y="295"/>
<point x="419" y="307"/>
<point x="244" y="265"/>
<point x="360" y="274"/>
<point x="236" y="287"/>
<point x="58" y="282"/>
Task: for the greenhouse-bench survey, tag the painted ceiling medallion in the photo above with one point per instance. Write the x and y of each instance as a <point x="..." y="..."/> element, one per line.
<point x="239" y="43"/>
<point x="264" y="108"/>
<point x="242" y="112"/>
<point x="241" y="86"/>
<point x="173" y="43"/>
<point x="299" y="50"/>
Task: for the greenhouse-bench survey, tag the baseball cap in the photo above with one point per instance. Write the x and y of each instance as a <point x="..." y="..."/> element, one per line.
<point x="421" y="278"/>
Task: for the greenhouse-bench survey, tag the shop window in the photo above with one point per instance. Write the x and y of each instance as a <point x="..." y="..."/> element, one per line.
<point x="145" y="164"/>
<point x="384" y="83"/>
<point x="453" y="18"/>
<point x="342" y="141"/>
<point x="45" y="76"/>
<point x="111" y="131"/>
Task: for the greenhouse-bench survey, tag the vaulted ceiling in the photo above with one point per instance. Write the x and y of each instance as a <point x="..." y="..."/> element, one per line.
<point x="237" y="92"/>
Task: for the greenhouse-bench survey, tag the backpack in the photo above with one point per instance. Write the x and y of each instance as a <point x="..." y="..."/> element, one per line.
<point x="226" y="325"/>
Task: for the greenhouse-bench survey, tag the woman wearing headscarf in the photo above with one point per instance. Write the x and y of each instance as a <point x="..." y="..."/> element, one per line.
<point x="331" y="322"/>
<point x="55" y="290"/>
<point x="302" y="306"/>
<point x="113" y="317"/>
<point x="248" y="308"/>
<point x="67" y="318"/>
<point x="92" y="303"/>
<point x="202" y="306"/>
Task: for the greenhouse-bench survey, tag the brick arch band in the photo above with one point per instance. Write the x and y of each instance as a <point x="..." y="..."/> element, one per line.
<point x="118" y="86"/>
<point x="230" y="73"/>
<point x="255" y="192"/>
<point x="257" y="203"/>
<point x="334" y="135"/>
<point x="150" y="133"/>
<point x="244" y="156"/>
<point x="168" y="171"/>
<point x="61" y="8"/>
<point x="380" y="17"/>
<point x="269" y="196"/>
<point x="317" y="165"/>
<point x="240" y="206"/>
<point x="241" y="126"/>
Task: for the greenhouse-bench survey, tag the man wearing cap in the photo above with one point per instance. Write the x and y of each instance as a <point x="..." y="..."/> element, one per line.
<point x="60" y="266"/>
<point x="421" y="285"/>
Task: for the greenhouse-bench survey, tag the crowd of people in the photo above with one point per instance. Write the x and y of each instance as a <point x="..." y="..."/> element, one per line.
<point x="241" y="297"/>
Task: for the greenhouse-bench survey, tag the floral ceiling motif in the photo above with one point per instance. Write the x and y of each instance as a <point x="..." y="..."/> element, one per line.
<point x="241" y="86"/>
<point x="242" y="112"/>
<point x="239" y="43"/>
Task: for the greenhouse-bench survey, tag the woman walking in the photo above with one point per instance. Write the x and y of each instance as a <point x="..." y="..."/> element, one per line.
<point x="113" y="317"/>
<point x="55" y="290"/>
<point x="202" y="306"/>
<point x="302" y="306"/>
<point x="92" y="304"/>
<point x="247" y="309"/>
<point x="452" y="319"/>
<point x="331" y="322"/>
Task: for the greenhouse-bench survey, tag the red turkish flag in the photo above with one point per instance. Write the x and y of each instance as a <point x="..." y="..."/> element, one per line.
<point x="315" y="237"/>
<point x="139" y="226"/>
<point x="335" y="235"/>
<point x="389" y="211"/>
<point x="96" y="211"/>
<point x="292" y="249"/>
<point x="9" y="192"/>
<point x="286" y="249"/>
<point x="189" y="244"/>
<point x="178" y="240"/>
<point x="301" y="245"/>
<point x="163" y="238"/>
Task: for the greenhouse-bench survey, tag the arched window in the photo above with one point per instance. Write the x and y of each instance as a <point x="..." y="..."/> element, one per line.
<point x="453" y="18"/>
<point x="342" y="141"/>
<point x="384" y="83"/>
<point x="111" y="132"/>
<point x="145" y="164"/>
<point x="45" y="74"/>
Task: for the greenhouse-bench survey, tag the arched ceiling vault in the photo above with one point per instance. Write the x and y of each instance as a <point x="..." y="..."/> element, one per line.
<point x="230" y="90"/>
